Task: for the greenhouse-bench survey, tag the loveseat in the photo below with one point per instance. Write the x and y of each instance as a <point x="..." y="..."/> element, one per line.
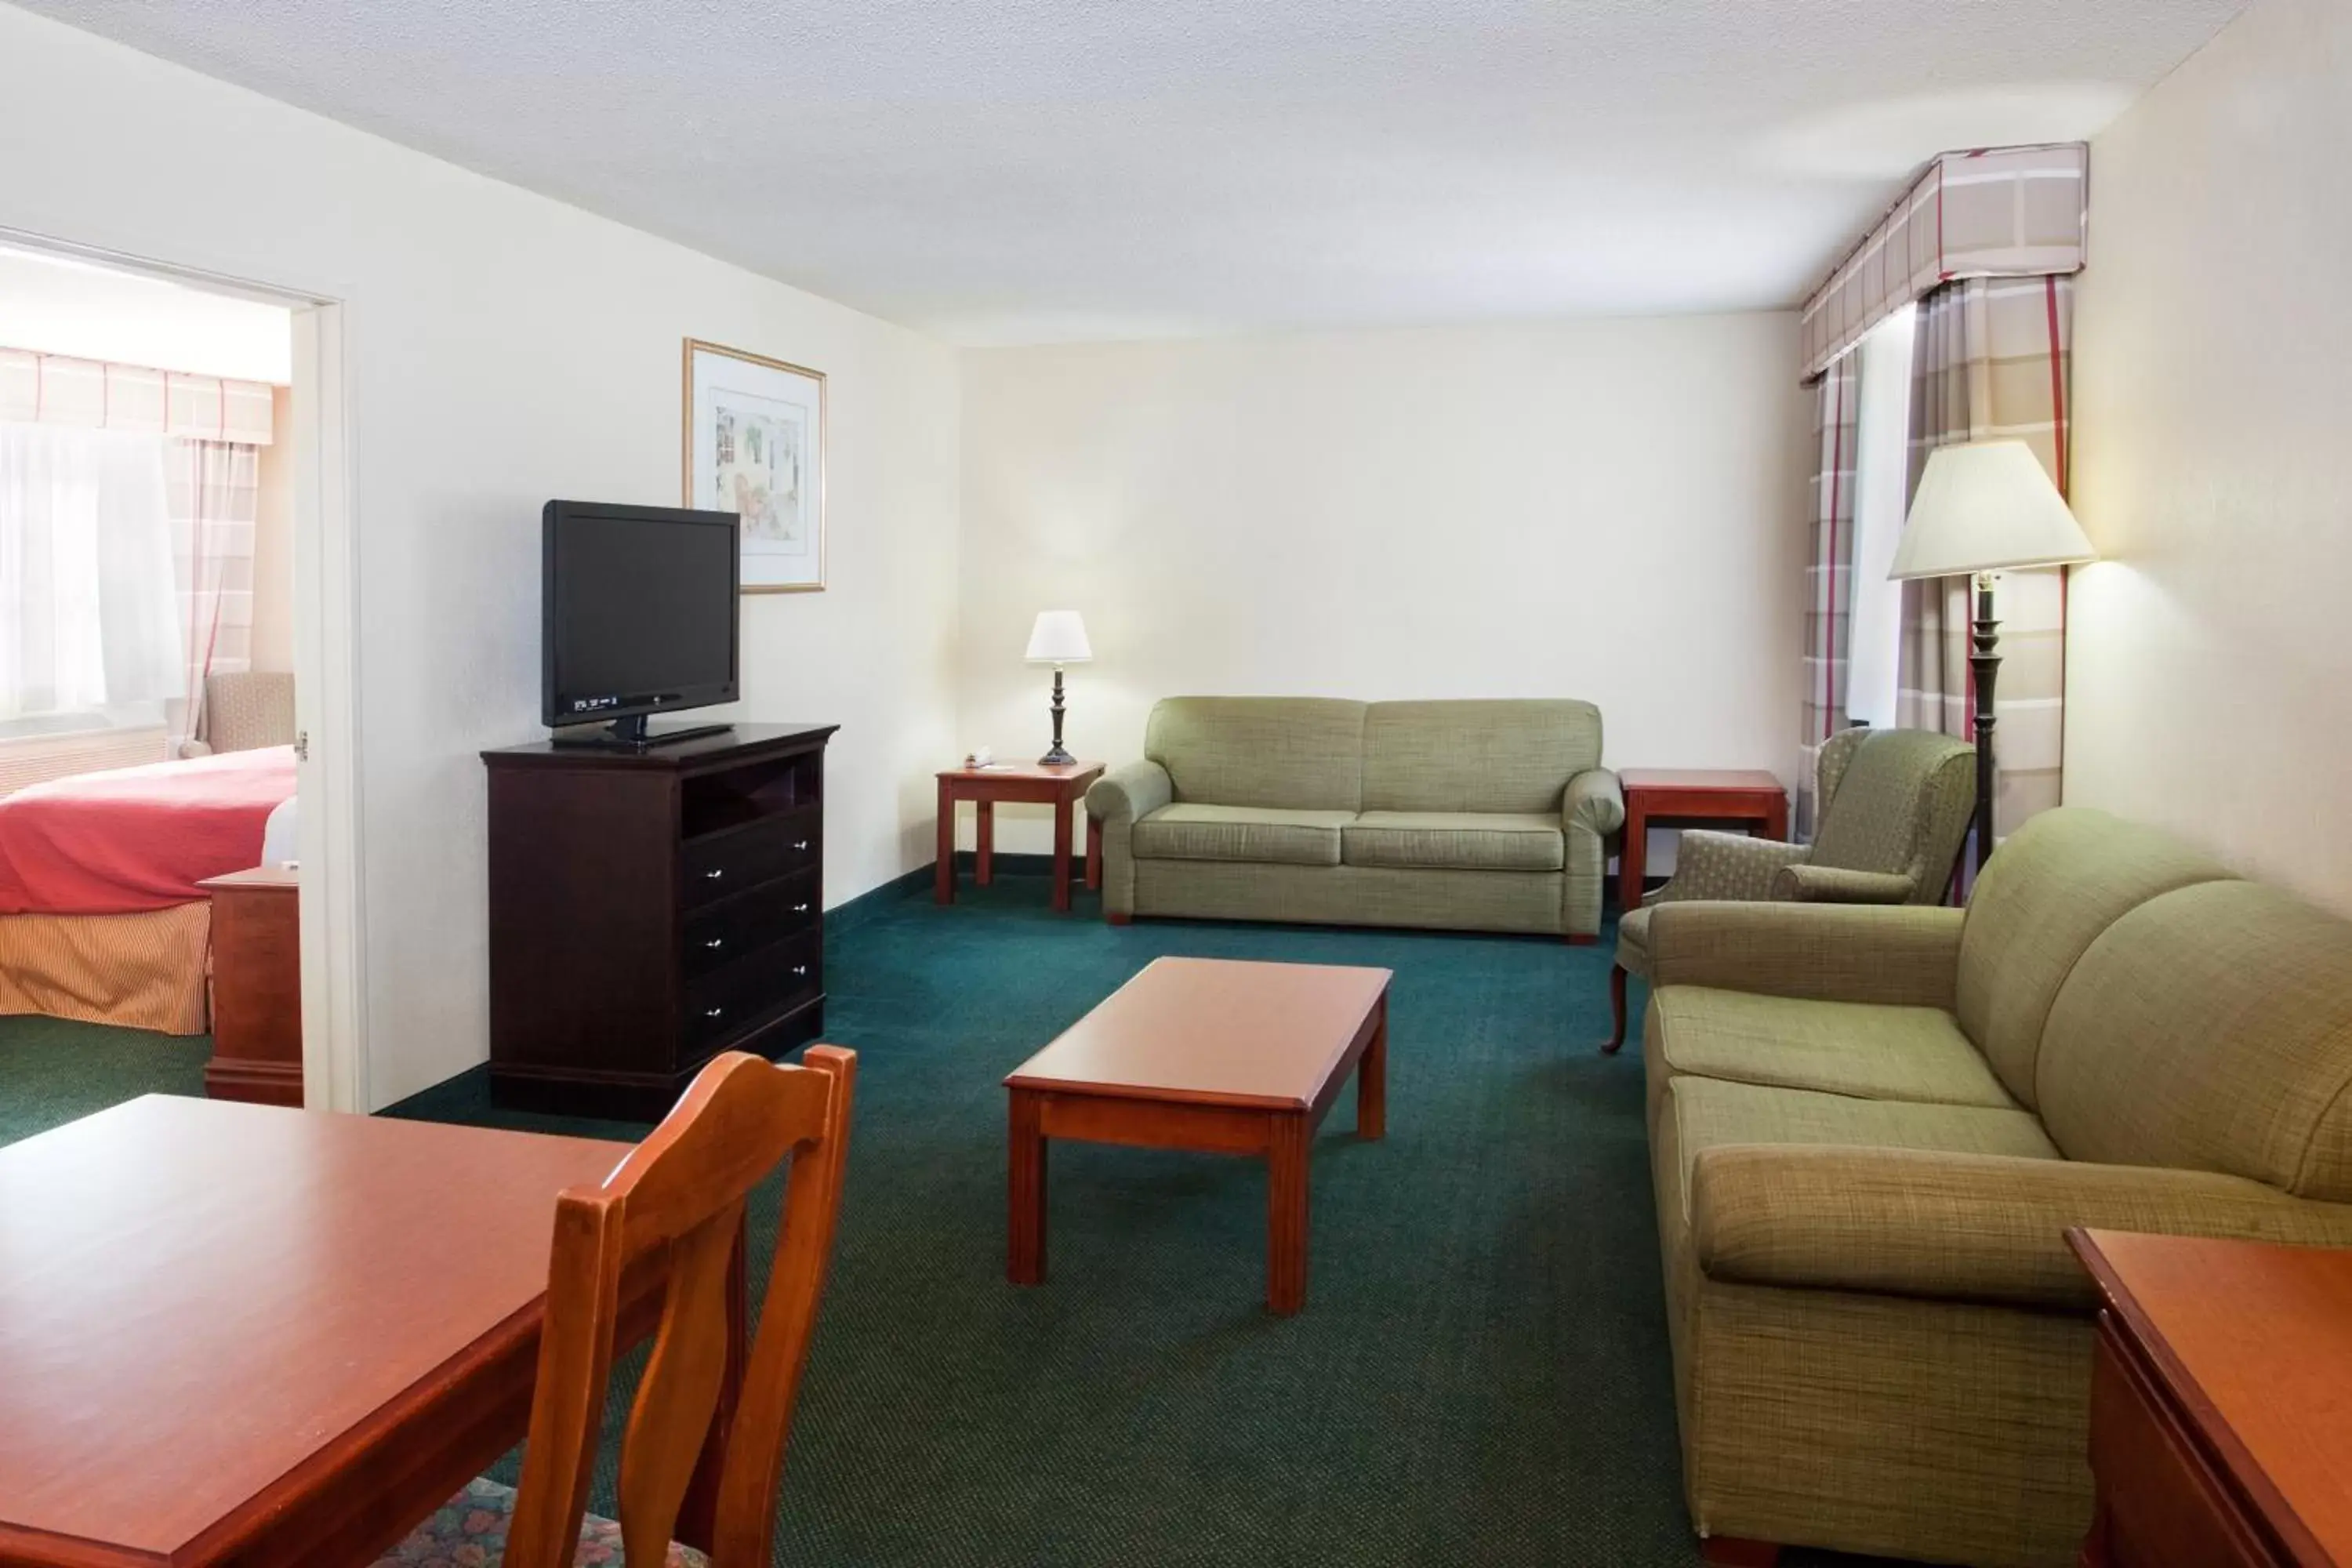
<point x="1870" y="1128"/>
<point x="1475" y="815"/>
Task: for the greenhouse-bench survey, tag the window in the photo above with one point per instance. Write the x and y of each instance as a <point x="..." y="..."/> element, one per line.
<point x="1882" y="495"/>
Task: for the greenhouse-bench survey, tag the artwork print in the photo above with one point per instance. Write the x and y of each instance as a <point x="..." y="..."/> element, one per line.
<point x="755" y="447"/>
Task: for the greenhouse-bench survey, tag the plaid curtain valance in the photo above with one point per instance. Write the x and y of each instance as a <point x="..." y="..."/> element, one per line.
<point x="53" y="389"/>
<point x="2001" y="212"/>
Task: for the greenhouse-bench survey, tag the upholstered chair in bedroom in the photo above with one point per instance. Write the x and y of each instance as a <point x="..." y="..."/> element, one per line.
<point x="1894" y="807"/>
<point x="244" y="711"/>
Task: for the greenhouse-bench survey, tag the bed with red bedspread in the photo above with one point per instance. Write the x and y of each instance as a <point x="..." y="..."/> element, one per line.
<point x="101" y="914"/>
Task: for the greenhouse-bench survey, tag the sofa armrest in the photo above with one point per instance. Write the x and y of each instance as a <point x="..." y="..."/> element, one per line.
<point x="1829" y="885"/>
<point x="1135" y="791"/>
<point x="1967" y="1227"/>
<point x="1593" y="800"/>
<point x="1906" y="956"/>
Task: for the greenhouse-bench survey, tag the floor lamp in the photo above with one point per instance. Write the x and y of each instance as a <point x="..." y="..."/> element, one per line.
<point x="1984" y="508"/>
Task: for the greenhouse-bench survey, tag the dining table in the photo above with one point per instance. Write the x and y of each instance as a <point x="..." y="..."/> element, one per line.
<point x="253" y="1334"/>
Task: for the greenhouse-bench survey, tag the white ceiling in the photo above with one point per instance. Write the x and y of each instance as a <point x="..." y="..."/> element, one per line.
<point x="1023" y="170"/>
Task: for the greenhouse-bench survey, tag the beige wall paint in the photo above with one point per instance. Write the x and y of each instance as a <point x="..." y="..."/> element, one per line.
<point x="1603" y="509"/>
<point x="273" y="543"/>
<point x="504" y="349"/>
<point x="2209" y="657"/>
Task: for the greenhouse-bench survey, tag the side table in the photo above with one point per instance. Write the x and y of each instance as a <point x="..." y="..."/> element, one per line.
<point x="256" y="986"/>
<point x="1060" y="788"/>
<point x="1691" y="795"/>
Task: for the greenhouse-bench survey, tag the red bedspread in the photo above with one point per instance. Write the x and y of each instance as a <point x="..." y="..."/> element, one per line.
<point x="137" y="838"/>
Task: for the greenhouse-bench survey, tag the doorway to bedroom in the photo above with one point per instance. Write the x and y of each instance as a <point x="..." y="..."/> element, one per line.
<point x="149" y="459"/>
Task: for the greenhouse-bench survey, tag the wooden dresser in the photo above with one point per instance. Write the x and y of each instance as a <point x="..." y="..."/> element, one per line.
<point x="256" y="986"/>
<point x="649" y="909"/>
<point x="2220" y="1403"/>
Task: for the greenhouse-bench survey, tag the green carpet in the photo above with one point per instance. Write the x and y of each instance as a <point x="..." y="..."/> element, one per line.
<point x="1481" y="1372"/>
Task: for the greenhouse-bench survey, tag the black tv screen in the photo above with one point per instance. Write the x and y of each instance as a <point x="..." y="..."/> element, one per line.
<point x="640" y="611"/>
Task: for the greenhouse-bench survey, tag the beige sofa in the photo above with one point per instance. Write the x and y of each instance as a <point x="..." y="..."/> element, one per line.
<point x="1476" y="816"/>
<point x="1870" y="1128"/>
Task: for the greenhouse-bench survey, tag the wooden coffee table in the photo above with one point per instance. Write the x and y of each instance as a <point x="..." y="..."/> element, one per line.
<point x="1215" y="1055"/>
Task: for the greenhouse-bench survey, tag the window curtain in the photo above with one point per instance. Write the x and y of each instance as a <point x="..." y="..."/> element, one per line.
<point x="1992" y="360"/>
<point x="213" y="500"/>
<point x="1829" y="572"/>
<point x="87" y="617"/>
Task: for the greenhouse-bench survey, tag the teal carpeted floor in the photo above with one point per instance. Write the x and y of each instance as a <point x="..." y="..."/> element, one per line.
<point x="1480" y="1375"/>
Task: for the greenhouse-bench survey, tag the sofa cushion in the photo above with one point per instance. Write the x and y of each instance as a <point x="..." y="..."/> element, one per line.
<point x="1456" y="840"/>
<point x="1289" y="753"/>
<point x="1710" y="1112"/>
<point x="2044" y="898"/>
<point x="1515" y="757"/>
<point x="1256" y="834"/>
<point x="1915" y="1053"/>
<point x="2210" y="1030"/>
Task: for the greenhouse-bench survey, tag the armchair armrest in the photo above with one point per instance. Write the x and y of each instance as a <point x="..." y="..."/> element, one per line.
<point x="1906" y="956"/>
<point x="1137" y="790"/>
<point x="1710" y="865"/>
<point x="1967" y="1227"/>
<point x="1593" y="800"/>
<point x="1828" y="885"/>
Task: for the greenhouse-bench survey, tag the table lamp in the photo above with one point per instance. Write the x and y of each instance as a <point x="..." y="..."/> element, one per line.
<point x="1985" y="508"/>
<point x="1059" y="637"/>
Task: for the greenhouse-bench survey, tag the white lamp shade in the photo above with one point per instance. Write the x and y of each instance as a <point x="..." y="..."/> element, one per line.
<point x="1986" y="506"/>
<point x="1058" y="637"/>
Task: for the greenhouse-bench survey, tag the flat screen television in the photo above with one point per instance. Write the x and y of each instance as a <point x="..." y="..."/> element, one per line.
<point x="639" y="618"/>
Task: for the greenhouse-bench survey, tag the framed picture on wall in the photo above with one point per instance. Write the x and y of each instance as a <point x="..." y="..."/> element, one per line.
<point x="755" y="447"/>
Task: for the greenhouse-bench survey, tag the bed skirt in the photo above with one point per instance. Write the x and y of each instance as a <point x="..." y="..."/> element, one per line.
<point x="143" y="971"/>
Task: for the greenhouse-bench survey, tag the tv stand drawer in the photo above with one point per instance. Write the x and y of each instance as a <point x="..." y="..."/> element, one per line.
<point x="725" y="864"/>
<point x="717" y="934"/>
<point x="723" y="1002"/>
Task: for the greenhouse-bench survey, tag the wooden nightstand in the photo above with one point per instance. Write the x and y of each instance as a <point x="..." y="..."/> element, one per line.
<point x="1034" y="783"/>
<point x="256" y="986"/>
<point x="1691" y="795"/>
<point x="2220" y="1403"/>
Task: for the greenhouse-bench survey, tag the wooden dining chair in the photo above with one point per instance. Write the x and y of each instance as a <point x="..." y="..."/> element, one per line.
<point x="684" y="1186"/>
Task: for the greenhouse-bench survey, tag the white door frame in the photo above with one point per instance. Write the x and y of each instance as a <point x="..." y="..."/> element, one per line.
<point x="326" y="671"/>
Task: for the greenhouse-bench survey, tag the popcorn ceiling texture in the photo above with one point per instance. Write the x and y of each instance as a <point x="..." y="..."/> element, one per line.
<point x="1023" y="171"/>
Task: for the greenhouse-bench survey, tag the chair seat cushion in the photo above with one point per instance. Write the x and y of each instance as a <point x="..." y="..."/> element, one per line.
<point x="1914" y="1054"/>
<point x="1456" y="840"/>
<point x="470" y="1531"/>
<point x="1261" y="835"/>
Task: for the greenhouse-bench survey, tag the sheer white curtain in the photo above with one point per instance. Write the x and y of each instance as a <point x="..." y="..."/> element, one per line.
<point x="89" y="615"/>
<point x="1882" y="495"/>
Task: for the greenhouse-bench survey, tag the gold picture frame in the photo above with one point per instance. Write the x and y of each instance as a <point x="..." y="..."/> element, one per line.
<point x="744" y="439"/>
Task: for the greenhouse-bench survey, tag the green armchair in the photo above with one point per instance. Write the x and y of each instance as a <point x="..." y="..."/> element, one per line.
<point x="1895" y="806"/>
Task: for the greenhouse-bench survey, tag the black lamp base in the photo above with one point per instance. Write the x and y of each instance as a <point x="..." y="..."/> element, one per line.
<point x="1984" y="662"/>
<point x="1059" y="757"/>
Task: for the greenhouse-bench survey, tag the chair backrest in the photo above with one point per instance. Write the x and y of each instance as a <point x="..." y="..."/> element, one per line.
<point x="1507" y="755"/>
<point x="1293" y="754"/>
<point x="1895" y="801"/>
<point x="684" y="1187"/>
<point x="247" y="709"/>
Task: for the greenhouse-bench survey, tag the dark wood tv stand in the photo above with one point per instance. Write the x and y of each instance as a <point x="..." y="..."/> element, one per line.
<point x="649" y="909"/>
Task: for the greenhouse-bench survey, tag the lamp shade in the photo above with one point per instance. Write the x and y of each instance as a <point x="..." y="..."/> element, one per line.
<point x="1986" y="506"/>
<point x="1058" y="637"/>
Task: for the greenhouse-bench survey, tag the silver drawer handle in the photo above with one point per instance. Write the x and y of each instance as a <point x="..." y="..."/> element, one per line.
<point x="710" y="1012"/>
<point x="800" y="908"/>
<point x="801" y="844"/>
<point x="716" y="942"/>
<point x="714" y="876"/>
<point x="800" y="969"/>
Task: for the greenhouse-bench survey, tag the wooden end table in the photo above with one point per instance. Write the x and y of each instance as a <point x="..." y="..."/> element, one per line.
<point x="1691" y="795"/>
<point x="1217" y="1056"/>
<point x="2220" y="1403"/>
<point x="256" y="986"/>
<point x="1035" y="783"/>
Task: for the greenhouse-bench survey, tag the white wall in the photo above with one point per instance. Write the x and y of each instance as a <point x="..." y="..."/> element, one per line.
<point x="2210" y="658"/>
<point x="1603" y="509"/>
<point x="504" y="349"/>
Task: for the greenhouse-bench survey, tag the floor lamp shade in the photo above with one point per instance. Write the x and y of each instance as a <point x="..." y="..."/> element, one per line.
<point x="1059" y="637"/>
<point x="1985" y="507"/>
